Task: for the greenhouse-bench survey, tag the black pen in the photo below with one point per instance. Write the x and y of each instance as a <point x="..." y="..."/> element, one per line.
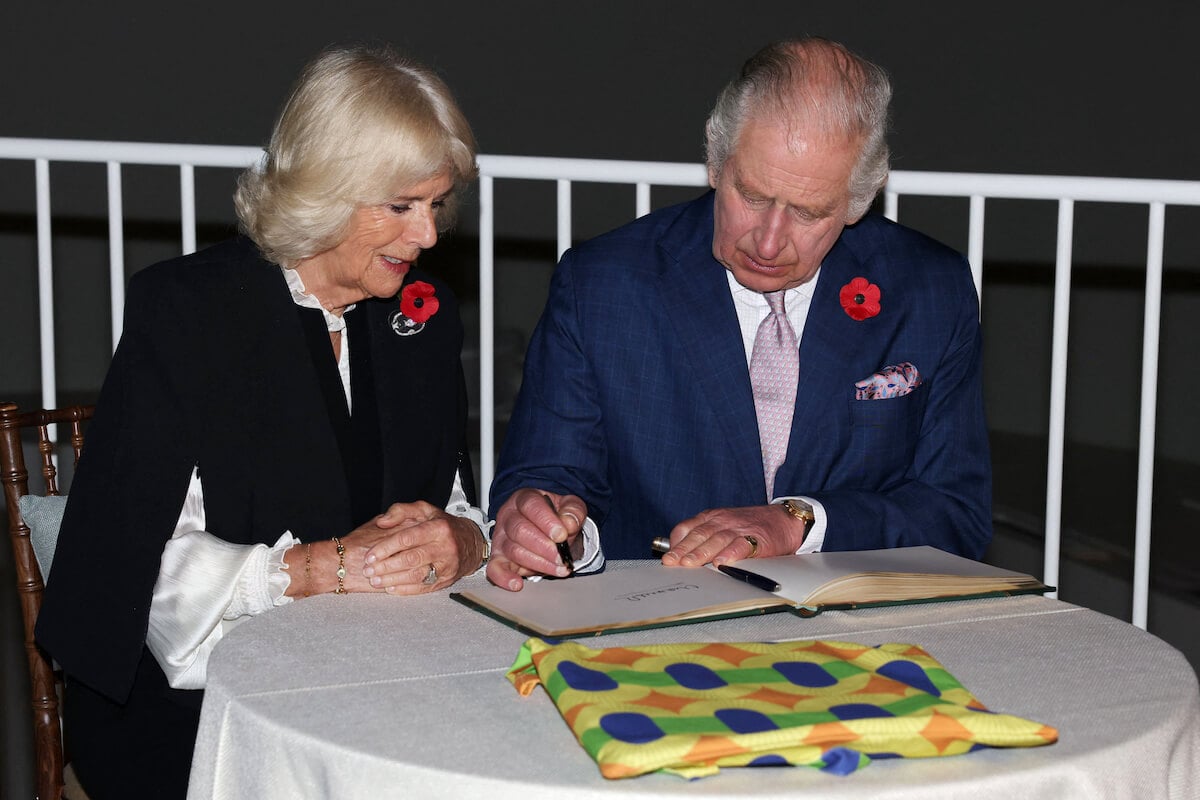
<point x="752" y="578"/>
<point x="564" y="549"/>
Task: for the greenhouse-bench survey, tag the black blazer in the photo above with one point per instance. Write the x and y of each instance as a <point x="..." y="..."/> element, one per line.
<point x="217" y="367"/>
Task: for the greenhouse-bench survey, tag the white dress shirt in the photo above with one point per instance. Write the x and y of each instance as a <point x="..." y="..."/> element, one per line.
<point x="206" y="585"/>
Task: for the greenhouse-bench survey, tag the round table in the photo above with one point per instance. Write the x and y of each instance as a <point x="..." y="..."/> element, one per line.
<point x="379" y="696"/>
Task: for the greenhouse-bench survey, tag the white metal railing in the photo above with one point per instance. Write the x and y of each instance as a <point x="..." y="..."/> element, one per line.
<point x="1156" y="195"/>
<point x="977" y="188"/>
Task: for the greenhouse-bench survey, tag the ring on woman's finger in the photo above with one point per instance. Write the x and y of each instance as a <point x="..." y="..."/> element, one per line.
<point x="431" y="576"/>
<point x="753" y="546"/>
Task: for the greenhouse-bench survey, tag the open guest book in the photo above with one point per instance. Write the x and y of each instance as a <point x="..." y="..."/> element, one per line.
<point x="653" y="595"/>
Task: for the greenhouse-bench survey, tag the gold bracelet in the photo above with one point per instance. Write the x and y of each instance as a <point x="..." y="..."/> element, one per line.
<point x="341" y="570"/>
<point x="308" y="569"/>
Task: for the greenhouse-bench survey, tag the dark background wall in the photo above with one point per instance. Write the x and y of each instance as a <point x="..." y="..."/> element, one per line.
<point x="1025" y="87"/>
<point x="1060" y="88"/>
<point x="1063" y="87"/>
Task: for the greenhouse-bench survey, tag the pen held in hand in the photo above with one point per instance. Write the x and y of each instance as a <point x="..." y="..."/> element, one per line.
<point x="564" y="548"/>
<point x="752" y="578"/>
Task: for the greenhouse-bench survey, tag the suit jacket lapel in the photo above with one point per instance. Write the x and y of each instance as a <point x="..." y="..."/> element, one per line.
<point x="695" y="299"/>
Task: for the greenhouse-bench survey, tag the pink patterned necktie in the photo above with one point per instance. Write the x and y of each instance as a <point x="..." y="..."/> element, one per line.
<point x="774" y="371"/>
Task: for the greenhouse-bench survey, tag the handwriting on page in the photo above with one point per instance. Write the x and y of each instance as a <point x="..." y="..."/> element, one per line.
<point x="636" y="597"/>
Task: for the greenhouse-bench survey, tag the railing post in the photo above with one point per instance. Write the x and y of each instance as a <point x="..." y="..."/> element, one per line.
<point x="1056" y="437"/>
<point x="45" y="285"/>
<point x="487" y="337"/>
<point x="187" y="207"/>
<point x="1145" y="481"/>
<point x="116" y="251"/>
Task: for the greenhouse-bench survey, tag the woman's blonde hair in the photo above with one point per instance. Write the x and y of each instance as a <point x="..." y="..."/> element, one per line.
<point x="361" y="125"/>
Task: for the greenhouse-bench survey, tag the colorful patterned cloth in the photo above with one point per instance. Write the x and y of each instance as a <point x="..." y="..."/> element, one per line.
<point x="690" y="709"/>
<point x="895" y="381"/>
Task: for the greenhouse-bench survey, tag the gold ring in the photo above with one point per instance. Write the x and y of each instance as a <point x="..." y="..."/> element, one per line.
<point x="753" y="546"/>
<point x="431" y="576"/>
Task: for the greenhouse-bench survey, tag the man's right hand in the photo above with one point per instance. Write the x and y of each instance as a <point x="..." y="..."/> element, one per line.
<point x="528" y="526"/>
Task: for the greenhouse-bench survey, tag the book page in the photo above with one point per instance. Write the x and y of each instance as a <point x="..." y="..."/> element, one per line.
<point x="616" y="598"/>
<point x="800" y="577"/>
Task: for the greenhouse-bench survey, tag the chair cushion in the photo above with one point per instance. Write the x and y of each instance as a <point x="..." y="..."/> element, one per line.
<point x="43" y="515"/>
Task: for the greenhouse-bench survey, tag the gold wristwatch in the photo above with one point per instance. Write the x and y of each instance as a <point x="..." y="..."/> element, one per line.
<point x="487" y="547"/>
<point x="801" y="511"/>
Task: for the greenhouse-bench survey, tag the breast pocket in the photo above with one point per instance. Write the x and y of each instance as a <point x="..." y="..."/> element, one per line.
<point x="883" y="438"/>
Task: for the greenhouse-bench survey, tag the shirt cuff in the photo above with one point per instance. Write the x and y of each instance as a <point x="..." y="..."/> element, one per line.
<point x="592" y="559"/>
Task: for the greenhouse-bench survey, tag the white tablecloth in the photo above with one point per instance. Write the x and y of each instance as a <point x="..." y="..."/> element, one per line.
<point x="376" y="696"/>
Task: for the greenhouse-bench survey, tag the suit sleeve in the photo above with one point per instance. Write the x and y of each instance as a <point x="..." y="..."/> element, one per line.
<point x="944" y="499"/>
<point x="555" y="439"/>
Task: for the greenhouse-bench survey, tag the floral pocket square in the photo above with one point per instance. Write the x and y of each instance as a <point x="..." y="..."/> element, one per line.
<point x="894" y="381"/>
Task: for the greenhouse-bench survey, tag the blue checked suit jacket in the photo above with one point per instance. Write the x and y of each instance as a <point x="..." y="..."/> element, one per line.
<point x="637" y="396"/>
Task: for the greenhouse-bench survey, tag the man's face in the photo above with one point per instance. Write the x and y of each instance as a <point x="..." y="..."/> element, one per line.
<point x="780" y="205"/>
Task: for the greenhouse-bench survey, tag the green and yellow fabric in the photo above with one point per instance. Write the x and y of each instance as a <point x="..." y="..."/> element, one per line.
<point x="690" y="709"/>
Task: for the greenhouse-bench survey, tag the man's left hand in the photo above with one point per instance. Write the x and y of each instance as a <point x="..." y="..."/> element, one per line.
<point x="719" y="536"/>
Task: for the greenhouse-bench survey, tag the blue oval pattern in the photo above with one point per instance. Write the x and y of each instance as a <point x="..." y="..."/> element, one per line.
<point x="584" y="679"/>
<point x="859" y="711"/>
<point x="770" y="760"/>
<point x="911" y="674"/>
<point x="804" y="674"/>
<point x="631" y="728"/>
<point x="744" y="720"/>
<point x="694" y="676"/>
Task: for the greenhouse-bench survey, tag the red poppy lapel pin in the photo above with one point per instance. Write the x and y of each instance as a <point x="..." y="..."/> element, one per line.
<point x="418" y="303"/>
<point x="860" y="299"/>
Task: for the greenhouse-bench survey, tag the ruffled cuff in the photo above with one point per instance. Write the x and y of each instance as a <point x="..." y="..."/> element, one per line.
<point x="263" y="581"/>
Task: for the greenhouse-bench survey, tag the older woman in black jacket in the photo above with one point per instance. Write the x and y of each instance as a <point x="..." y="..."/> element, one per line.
<point x="278" y="405"/>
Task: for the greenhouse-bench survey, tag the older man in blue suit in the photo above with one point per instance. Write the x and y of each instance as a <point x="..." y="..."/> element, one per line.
<point x="768" y="369"/>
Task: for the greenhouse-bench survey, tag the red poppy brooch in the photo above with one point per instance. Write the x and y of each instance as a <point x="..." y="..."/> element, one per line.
<point x="860" y="299"/>
<point x="418" y="304"/>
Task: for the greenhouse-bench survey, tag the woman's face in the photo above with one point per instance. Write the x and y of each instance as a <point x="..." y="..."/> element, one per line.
<point x="381" y="244"/>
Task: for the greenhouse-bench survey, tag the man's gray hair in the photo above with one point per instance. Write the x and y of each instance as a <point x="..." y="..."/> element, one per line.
<point x="819" y="87"/>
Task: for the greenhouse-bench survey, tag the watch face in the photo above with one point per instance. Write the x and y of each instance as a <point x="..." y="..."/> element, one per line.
<point x="800" y="510"/>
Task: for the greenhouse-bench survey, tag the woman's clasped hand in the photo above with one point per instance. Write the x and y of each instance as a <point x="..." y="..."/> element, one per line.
<point x="400" y="549"/>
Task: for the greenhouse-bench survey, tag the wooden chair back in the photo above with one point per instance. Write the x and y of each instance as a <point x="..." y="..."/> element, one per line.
<point x="44" y="682"/>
